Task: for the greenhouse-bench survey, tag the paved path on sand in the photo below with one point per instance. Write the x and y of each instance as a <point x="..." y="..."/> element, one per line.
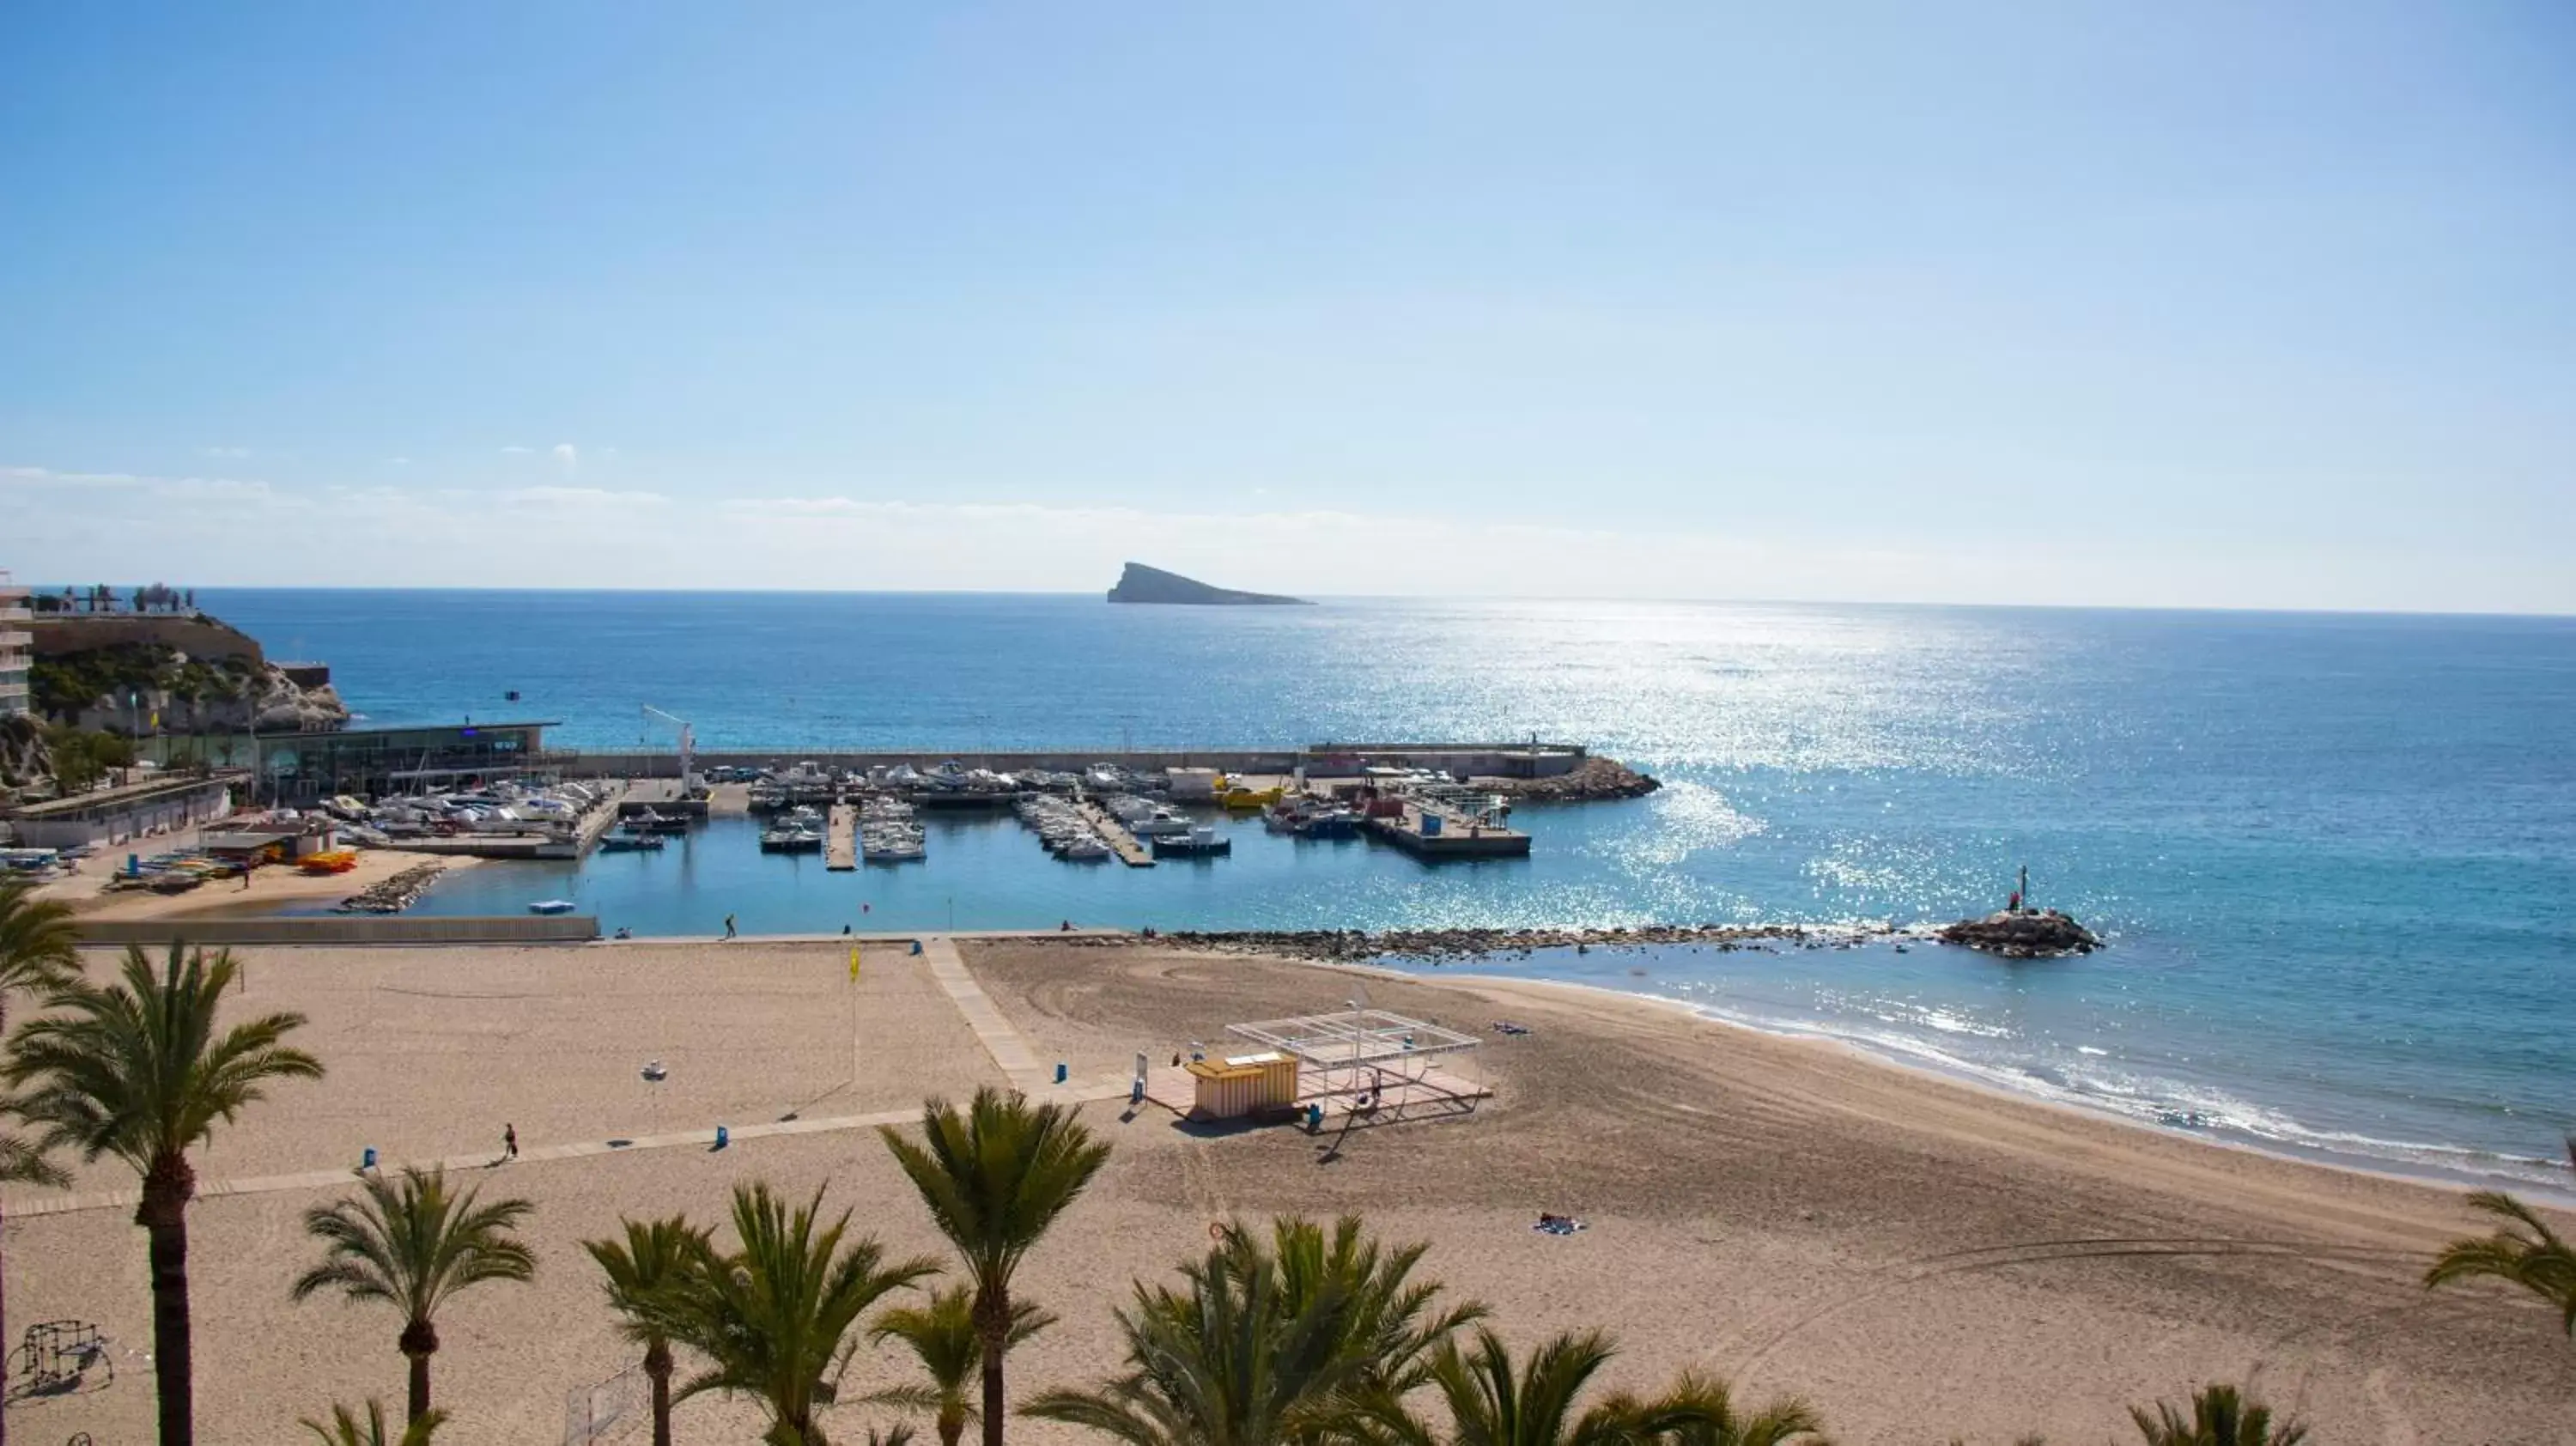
<point x="1001" y="1041"/>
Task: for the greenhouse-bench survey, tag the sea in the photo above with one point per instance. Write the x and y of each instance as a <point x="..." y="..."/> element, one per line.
<point x="2334" y="856"/>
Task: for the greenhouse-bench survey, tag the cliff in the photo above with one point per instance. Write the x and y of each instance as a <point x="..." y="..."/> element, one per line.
<point x="1142" y="584"/>
<point x="122" y="688"/>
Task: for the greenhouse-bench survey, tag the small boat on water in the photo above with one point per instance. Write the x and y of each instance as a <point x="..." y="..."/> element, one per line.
<point x="628" y="843"/>
<point x="553" y="906"/>
<point x="1085" y="849"/>
<point x="790" y="839"/>
<point x="1202" y="841"/>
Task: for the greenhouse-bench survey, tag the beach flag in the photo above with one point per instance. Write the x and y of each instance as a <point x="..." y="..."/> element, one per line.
<point x="854" y="963"/>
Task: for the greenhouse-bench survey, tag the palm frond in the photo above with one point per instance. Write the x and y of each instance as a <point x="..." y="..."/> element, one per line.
<point x="776" y="1317"/>
<point x="345" y="1428"/>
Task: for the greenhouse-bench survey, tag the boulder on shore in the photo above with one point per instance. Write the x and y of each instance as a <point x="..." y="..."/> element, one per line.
<point x="2023" y="934"/>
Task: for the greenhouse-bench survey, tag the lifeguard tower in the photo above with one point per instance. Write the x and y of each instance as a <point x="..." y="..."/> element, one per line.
<point x="1359" y="1061"/>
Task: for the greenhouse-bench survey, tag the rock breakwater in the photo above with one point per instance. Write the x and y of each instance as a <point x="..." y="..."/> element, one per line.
<point x="1443" y="945"/>
<point x="1593" y="779"/>
<point x="2023" y="934"/>
<point x="392" y="894"/>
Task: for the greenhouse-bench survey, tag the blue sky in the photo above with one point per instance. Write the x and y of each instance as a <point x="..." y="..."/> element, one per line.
<point x="2158" y="304"/>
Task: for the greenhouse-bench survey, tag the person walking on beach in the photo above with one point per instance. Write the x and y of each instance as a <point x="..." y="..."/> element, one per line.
<point x="509" y="1142"/>
<point x="728" y="926"/>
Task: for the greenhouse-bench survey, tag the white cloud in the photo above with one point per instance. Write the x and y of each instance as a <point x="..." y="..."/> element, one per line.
<point x="566" y="457"/>
<point x="581" y="497"/>
<point x="213" y="530"/>
<point x="397" y="461"/>
<point x="233" y="452"/>
<point x="515" y="450"/>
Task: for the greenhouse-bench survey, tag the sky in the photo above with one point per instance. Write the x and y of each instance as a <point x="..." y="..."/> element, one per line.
<point x="2162" y="304"/>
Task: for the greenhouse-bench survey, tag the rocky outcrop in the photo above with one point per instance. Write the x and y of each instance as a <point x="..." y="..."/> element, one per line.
<point x="1142" y="584"/>
<point x="133" y="688"/>
<point x="23" y="755"/>
<point x="1592" y="779"/>
<point x="2023" y="934"/>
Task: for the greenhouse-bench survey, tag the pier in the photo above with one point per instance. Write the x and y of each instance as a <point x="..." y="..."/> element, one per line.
<point x="1131" y="850"/>
<point x="1430" y="832"/>
<point x="841" y="839"/>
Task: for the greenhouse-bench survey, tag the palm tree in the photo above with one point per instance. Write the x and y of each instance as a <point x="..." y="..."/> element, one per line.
<point x="643" y="1270"/>
<point x="994" y="1178"/>
<point x="775" y="1316"/>
<point x="942" y="1336"/>
<point x="37" y="954"/>
<point x="1229" y="1359"/>
<point x="1493" y="1402"/>
<point x="2523" y="1250"/>
<point x="39" y="950"/>
<point x="1391" y="1316"/>
<point x="22" y="1162"/>
<point x="408" y="1242"/>
<point x="2221" y="1415"/>
<point x="135" y="1069"/>
<point x="345" y="1429"/>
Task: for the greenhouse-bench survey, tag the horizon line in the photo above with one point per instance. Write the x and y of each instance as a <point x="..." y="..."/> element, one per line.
<point x="1324" y="598"/>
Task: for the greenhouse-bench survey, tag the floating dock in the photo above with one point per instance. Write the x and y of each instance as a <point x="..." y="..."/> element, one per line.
<point x="841" y="839"/>
<point x="1131" y="850"/>
<point x="1434" y="833"/>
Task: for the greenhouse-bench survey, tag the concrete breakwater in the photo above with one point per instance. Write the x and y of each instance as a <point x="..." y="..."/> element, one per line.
<point x="1527" y="769"/>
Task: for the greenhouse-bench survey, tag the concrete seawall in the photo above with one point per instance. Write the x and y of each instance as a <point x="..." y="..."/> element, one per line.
<point x="1515" y="760"/>
<point x="337" y="929"/>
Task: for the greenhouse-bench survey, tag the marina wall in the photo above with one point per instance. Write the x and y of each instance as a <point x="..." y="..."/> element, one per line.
<point x="1493" y="760"/>
<point x="343" y="929"/>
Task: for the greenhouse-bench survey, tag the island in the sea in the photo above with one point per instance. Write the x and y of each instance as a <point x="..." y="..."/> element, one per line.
<point x="1142" y="584"/>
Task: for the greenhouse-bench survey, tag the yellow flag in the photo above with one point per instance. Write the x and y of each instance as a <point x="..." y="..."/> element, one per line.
<point x="854" y="963"/>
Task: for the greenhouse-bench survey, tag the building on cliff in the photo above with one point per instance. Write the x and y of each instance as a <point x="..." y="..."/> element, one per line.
<point x="17" y="648"/>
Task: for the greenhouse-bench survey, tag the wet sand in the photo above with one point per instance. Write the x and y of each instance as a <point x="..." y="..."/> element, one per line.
<point x="1920" y="1259"/>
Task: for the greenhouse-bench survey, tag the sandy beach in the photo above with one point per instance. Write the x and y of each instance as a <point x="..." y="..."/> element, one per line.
<point x="1921" y="1260"/>
<point x="271" y="889"/>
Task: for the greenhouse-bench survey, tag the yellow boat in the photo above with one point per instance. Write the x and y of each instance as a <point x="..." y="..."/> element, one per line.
<point x="1248" y="800"/>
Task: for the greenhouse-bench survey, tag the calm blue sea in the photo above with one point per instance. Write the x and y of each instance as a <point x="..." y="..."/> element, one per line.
<point x="2336" y="855"/>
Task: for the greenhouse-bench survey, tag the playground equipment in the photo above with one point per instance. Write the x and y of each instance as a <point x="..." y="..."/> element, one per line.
<point x="57" y="1358"/>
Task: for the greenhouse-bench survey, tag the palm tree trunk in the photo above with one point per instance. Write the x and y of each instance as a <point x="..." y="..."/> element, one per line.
<point x="164" y="1216"/>
<point x="657" y="1369"/>
<point x="993" y="1323"/>
<point x="419" y="1403"/>
<point x="418" y="1342"/>
<point x="4" y="1339"/>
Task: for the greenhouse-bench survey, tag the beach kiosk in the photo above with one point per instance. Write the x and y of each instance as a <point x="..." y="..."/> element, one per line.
<point x="1242" y="1086"/>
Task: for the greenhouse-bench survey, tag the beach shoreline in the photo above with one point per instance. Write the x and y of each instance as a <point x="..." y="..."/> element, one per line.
<point x="1796" y="1218"/>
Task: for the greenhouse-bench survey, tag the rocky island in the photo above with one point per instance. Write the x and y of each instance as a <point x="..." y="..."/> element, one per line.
<point x="1142" y="584"/>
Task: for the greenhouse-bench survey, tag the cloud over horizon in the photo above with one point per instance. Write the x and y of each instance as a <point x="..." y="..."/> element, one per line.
<point x="227" y="531"/>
